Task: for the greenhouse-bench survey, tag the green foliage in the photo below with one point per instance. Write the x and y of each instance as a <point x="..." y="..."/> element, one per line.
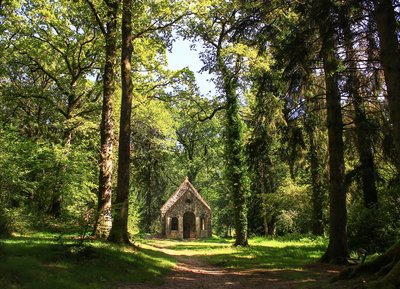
<point x="372" y="229"/>
<point x="14" y="220"/>
<point x="267" y="69"/>
<point x="198" y="153"/>
<point x="30" y="177"/>
<point x="152" y="142"/>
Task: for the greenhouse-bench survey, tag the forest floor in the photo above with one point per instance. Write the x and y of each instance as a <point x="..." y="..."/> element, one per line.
<point x="193" y="270"/>
<point x="46" y="261"/>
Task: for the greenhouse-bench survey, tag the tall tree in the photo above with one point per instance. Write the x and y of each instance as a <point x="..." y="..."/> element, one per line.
<point x="106" y="128"/>
<point x="110" y="33"/>
<point x="119" y="230"/>
<point x="362" y="124"/>
<point x="224" y="58"/>
<point x="384" y="15"/>
<point x="337" y="249"/>
<point x="263" y="154"/>
<point x="386" y="23"/>
<point x="235" y="157"/>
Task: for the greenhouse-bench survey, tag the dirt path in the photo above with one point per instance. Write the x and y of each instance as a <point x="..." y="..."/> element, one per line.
<point x="193" y="273"/>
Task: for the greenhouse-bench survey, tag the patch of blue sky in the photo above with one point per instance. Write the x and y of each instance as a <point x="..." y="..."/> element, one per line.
<point x="182" y="56"/>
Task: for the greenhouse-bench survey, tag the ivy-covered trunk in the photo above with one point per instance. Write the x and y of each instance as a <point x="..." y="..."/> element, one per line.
<point x="103" y="221"/>
<point x="119" y="230"/>
<point x="236" y="163"/>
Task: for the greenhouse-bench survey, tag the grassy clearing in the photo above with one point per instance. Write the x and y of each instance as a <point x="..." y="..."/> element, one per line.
<point x="42" y="261"/>
<point x="263" y="253"/>
<point x="286" y="260"/>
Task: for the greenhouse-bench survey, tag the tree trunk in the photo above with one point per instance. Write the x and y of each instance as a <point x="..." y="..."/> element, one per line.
<point x="316" y="182"/>
<point x="103" y="220"/>
<point x="236" y="163"/>
<point x="119" y="230"/>
<point x="57" y="198"/>
<point x="364" y="147"/>
<point x="236" y="171"/>
<point x="386" y="268"/>
<point x="337" y="251"/>
<point x="363" y="131"/>
<point x="390" y="59"/>
<point x="383" y="271"/>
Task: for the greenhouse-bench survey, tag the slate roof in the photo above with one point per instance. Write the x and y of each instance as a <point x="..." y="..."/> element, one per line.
<point x="182" y="189"/>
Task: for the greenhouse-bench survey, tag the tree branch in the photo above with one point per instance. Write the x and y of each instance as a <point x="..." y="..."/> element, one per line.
<point x="209" y="117"/>
<point x="96" y="15"/>
<point x="152" y="27"/>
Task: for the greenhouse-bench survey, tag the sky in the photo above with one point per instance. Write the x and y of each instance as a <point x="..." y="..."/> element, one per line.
<point x="182" y="56"/>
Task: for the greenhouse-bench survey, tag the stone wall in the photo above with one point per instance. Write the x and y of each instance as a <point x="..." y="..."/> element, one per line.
<point x="188" y="202"/>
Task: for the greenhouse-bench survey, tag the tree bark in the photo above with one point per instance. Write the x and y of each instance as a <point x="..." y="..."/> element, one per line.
<point x="103" y="221"/>
<point x="337" y="251"/>
<point x="384" y="270"/>
<point x="390" y="58"/>
<point x="119" y="230"/>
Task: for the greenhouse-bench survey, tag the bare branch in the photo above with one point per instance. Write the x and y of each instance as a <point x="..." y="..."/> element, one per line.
<point x="153" y="27"/>
<point x="96" y="15"/>
<point x="209" y="117"/>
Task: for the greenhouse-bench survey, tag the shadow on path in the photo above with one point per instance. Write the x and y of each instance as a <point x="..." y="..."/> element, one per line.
<point x="191" y="272"/>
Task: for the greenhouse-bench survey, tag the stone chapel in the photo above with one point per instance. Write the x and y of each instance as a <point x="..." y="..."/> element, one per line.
<point x="186" y="215"/>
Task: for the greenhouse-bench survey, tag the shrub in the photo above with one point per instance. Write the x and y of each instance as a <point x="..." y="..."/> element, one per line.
<point x="13" y="220"/>
<point x="371" y="229"/>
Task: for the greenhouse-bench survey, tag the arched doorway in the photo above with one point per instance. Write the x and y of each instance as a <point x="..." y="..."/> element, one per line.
<point x="189" y="225"/>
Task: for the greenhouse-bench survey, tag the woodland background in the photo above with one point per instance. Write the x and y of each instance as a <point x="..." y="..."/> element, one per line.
<point x="301" y="136"/>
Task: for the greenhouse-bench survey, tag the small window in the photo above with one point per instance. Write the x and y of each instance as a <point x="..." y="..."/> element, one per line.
<point x="188" y="201"/>
<point x="174" y="223"/>
<point x="202" y="223"/>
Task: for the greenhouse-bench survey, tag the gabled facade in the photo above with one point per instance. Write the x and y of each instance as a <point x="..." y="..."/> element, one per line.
<point x="186" y="215"/>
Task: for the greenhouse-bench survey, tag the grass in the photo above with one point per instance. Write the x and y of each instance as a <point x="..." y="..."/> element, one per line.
<point x="285" y="259"/>
<point x="263" y="253"/>
<point x="42" y="261"/>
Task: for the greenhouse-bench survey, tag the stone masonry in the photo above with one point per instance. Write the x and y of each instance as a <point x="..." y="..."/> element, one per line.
<point x="186" y="215"/>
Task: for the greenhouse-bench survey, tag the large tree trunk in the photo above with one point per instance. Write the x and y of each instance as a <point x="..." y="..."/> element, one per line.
<point x="383" y="271"/>
<point x="337" y="251"/>
<point x="119" y="230"/>
<point x="103" y="220"/>
<point x="386" y="268"/>
<point x="390" y="59"/>
<point x="236" y="163"/>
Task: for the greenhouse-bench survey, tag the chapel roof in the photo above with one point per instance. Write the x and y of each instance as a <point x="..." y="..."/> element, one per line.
<point x="182" y="189"/>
